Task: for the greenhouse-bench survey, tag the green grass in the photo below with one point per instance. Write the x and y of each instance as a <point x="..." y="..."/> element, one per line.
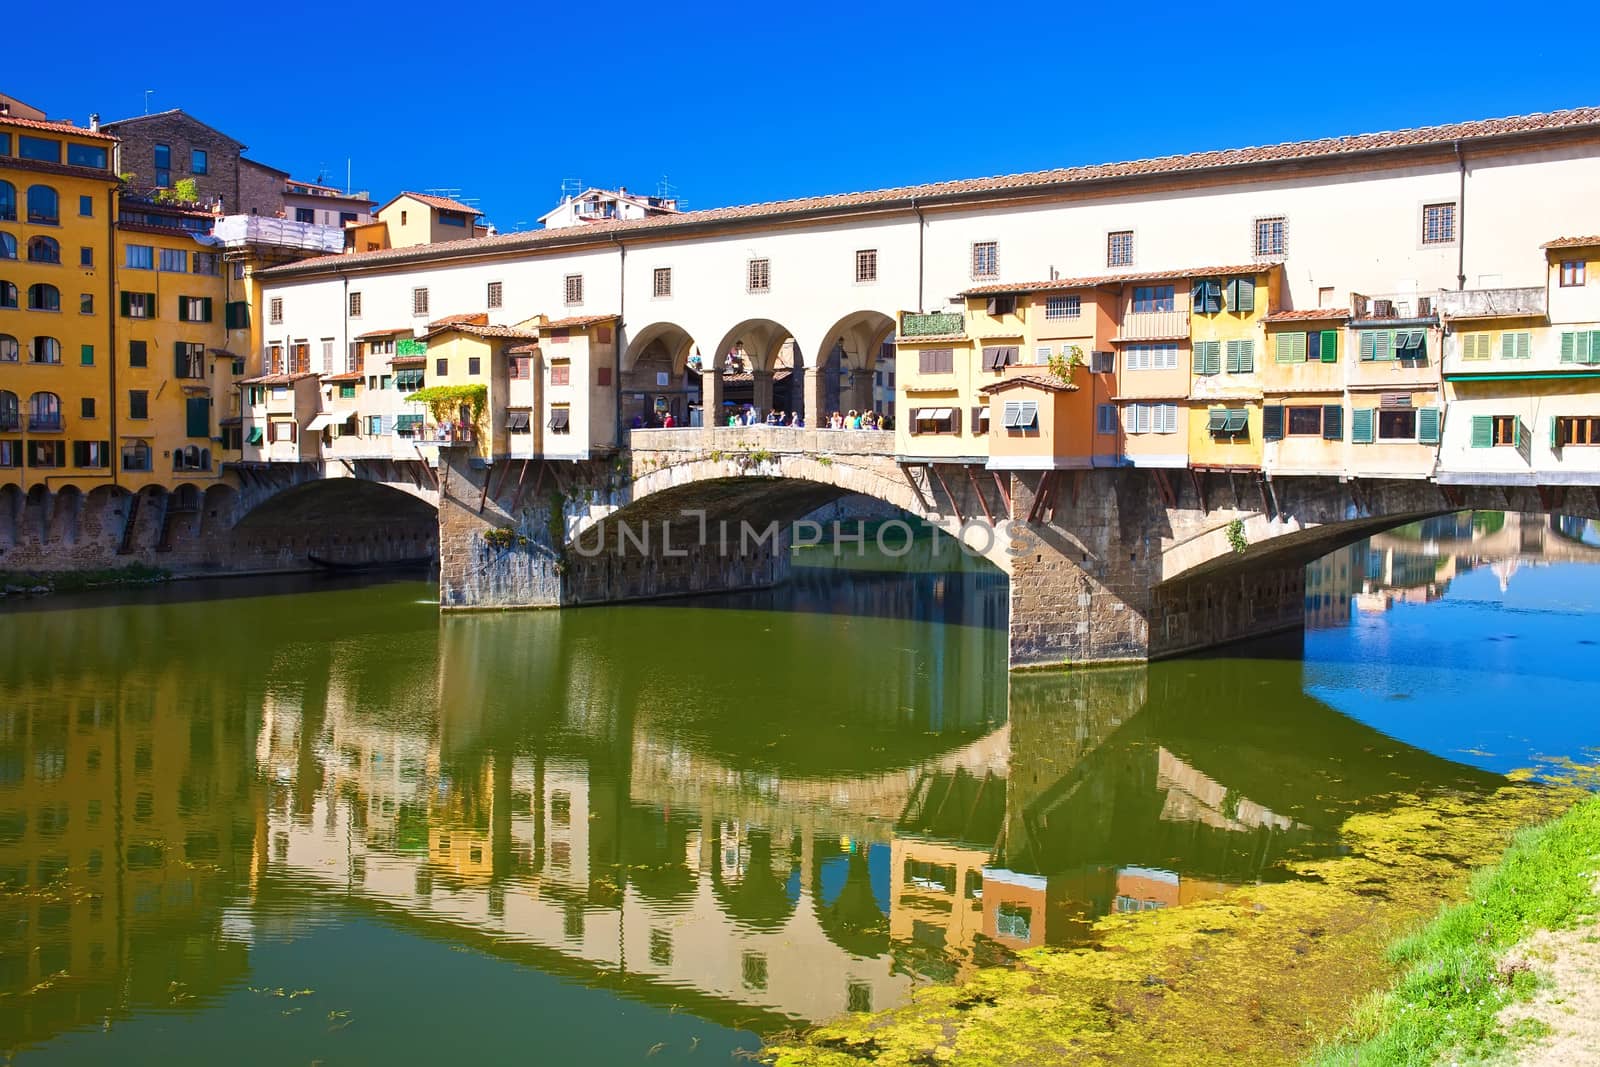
<point x="76" y="581"/>
<point x="1450" y="988"/>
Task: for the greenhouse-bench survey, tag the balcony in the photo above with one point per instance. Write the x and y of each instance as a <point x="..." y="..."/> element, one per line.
<point x="10" y="422"/>
<point x="1493" y="303"/>
<point x="1393" y="309"/>
<point x="1153" y="326"/>
<point x="934" y="324"/>
<point x="44" y="423"/>
<point x="239" y="231"/>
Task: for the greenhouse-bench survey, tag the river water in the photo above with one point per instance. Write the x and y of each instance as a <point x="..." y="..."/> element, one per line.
<point x="300" y="820"/>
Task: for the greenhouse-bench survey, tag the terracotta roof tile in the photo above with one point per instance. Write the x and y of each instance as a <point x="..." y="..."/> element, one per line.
<point x="276" y="379"/>
<point x="347" y="376"/>
<point x="521" y="333"/>
<point x="56" y="127"/>
<point x="1309" y="315"/>
<point x="933" y="338"/>
<point x="1219" y="160"/>
<point x="577" y="322"/>
<point x="372" y="334"/>
<point x="1573" y="242"/>
<point x="443" y="203"/>
<point x="1090" y="282"/>
<point x="478" y="318"/>
<point x="1033" y="380"/>
<point x="408" y="361"/>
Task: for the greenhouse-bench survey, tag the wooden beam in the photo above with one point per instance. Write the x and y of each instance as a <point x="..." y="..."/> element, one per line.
<point x="911" y="480"/>
<point x="500" y="479"/>
<point x="483" y="497"/>
<point x="978" y="492"/>
<point x="935" y="469"/>
<point x="1268" y="508"/>
<point x="1046" y="481"/>
<point x="1164" y="487"/>
<point x="1005" y="491"/>
<point x="522" y="477"/>
<point x="1198" y="480"/>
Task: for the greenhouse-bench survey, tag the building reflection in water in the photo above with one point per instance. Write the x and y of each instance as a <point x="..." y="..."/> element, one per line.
<point x="651" y="799"/>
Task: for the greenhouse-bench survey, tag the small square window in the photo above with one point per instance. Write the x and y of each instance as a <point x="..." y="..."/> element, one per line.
<point x="86" y="407"/>
<point x="275" y="311"/>
<point x="86" y="304"/>
<point x="86" y="256"/>
<point x="1573" y="272"/>
<point x="867" y="265"/>
<point x="662" y="282"/>
<point x="86" y="207"/>
<point x="1271" y="236"/>
<point x="474" y="365"/>
<point x="1119" y="248"/>
<point x="758" y="276"/>
<point x="441" y="367"/>
<point x="1439" y="224"/>
<point x="985" y="259"/>
<point x="495" y="295"/>
<point x="574" y="289"/>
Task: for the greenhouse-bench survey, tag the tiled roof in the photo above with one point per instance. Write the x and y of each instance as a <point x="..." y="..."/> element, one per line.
<point x="1090" y="282"/>
<point x="1573" y="242"/>
<point x="347" y="376"/>
<point x="407" y="361"/>
<point x="371" y="334"/>
<point x="577" y="322"/>
<point x="1033" y="380"/>
<point x="276" y="379"/>
<point x="56" y="127"/>
<point x="443" y="203"/>
<point x="1309" y="315"/>
<point x="932" y="338"/>
<point x="480" y="318"/>
<point x="1222" y="160"/>
<point x="521" y="333"/>
<point x="778" y="375"/>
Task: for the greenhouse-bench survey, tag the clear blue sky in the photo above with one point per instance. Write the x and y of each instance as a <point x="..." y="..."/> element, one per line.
<point x="737" y="104"/>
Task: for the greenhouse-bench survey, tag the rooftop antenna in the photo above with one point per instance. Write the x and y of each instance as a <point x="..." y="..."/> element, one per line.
<point x="665" y="190"/>
<point x="147" y="93"/>
<point x="347" y="176"/>
<point x="570" y="188"/>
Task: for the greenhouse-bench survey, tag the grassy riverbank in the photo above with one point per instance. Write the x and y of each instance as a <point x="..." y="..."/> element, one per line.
<point x="1264" y="974"/>
<point x="1456" y="976"/>
<point x="77" y="581"/>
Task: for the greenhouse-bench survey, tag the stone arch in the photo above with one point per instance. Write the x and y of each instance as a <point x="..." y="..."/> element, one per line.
<point x="68" y="513"/>
<point x="12" y="501"/>
<point x="762" y="341"/>
<point x="336" y="500"/>
<point x="665" y="337"/>
<point x="847" y="359"/>
<point x="102" y="507"/>
<point x="655" y="375"/>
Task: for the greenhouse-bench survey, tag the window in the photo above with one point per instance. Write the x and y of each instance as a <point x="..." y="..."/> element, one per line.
<point x="84" y="155"/>
<point x="86" y="355"/>
<point x="194" y="309"/>
<point x="138" y="305"/>
<point x="1574" y="430"/>
<point x="1206" y="296"/>
<point x="237" y="315"/>
<point x="86" y="256"/>
<point x="1013" y="921"/>
<point x="86" y="407"/>
<point x="10" y="411"/>
<point x="1516" y="344"/>
<point x="560" y="419"/>
<point x="275" y="311"/>
<point x="935" y="421"/>
<point x="758" y="276"/>
<point x="1241" y="294"/>
<point x="1232" y="423"/>
<point x="44" y="205"/>
<point x="1063" y="307"/>
<point x="936" y="361"/>
<point x="47" y="453"/>
<point x="1148" y="298"/>
<point x="1397" y="424"/>
<point x="1151" y="357"/>
<point x="661" y="283"/>
<point x="1208" y="357"/>
<point x="1270" y="236"/>
<point x="10" y="452"/>
<point x="8" y="295"/>
<point x="197" y="416"/>
<point x="560" y="373"/>
<point x="8" y="247"/>
<point x="305" y="214"/>
<point x="346" y="217"/>
<point x="441" y="367"/>
<point x="86" y="303"/>
<point x="1021" y="415"/>
<point x="198" y="162"/>
<point x="419" y="302"/>
<point x="43" y="297"/>
<point x="474" y="365"/>
<point x="355" y="305"/>
<point x="8" y="201"/>
<point x="86" y="207"/>
<point x="1241" y="357"/>
<point x="452" y="218"/>
<point x="495" y="294"/>
<point x="163" y="162"/>
<point x="208" y="263"/>
<point x="44" y="250"/>
<point x="1572" y="272"/>
<point x="1100" y="362"/>
<point x="189" y="360"/>
<point x="9" y="349"/>
<point x="91" y="453"/>
<point x="986" y="259"/>
<point x="1305" y="421"/>
<point x="136" y="456"/>
<point x="866" y="265"/>
<point x="1119" y="248"/>
<point x="44" y="411"/>
<point x="1438" y="224"/>
<point x="1474" y="345"/>
<point x="327" y="355"/>
<point x="284" y="430"/>
<point x="39" y="149"/>
<point x="1105" y="418"/>
<point x="998" y="356"/>
<point x="138" y="354"/>
<point x="139" y="257"/>
<point x="1411" y="344"/>
<point x="520" y="366"/>
<point x="174" y="261"/>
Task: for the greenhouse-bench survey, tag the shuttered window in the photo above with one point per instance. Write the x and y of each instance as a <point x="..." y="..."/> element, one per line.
<point x="197" y="410"/>
<point x="1242" y="294"/>
<point x="1428" y="425"/>
<point x="936" y="361"/>
<point x="1241" y="357"/>
<point x="1580" y="346"/>
<point x="1516" y="345"/>
<point x="1364" y="425"/>
<point x="1208" y="357"/>
<point x="1376" y="345"/>
<point x="1272" y="418"/>
<point x="1411" y="344"/>
<point x="1329" y="346"/>
<point x="1207" y="296"/>
<point x="237" y="314"/>
<point x="1291" y="348"/>
<point x="1332" y="422"/>
<point x="1475" y="345"/>
<point x="998" y="357"/>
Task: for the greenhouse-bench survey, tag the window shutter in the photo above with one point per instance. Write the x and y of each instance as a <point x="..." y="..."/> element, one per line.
<point x="1242" y="294"/>
<point x="205" y="309"/>
<point x="1233" y="357"/>
<point x="1247" y="356"/>
<point x="1332" y="422"/>
<point x="126" y="313"/>
<point x="1524" y="343"/>
<point x="180" y="365"/>
<point x="1197" y="297"/>
<point x="1555" y="432"/>
<point x="1363" y="423"/>
<point x="1272" y="422"/>
<point x="1291" y="347"/>
<point x="199" y="416"/>
<point x="1428" y="425"/>
<point x="1330" y="346"/>
<point x="1569" y="344"/>
<point x="1482" y="431"/>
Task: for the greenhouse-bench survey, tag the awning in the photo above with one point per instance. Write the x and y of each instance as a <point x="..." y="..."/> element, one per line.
<point x="407" y="422"/>
<point x="254" y="436"/>
<point x="517" y="421"/>
<point x="1218" y="421"/>
<point x="321" y="421"/>
<point x="558" y="418"/>
<point x="1237" y="420"/>
<point x="935" y="413"/>
<point x="1003" y="356"/>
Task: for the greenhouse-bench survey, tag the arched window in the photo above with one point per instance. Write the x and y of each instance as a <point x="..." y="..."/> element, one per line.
<point x="136" y="456"/>
<point x="8" y="246"/>
<point x="43" y="250"/>
<point x="10" y="351"/>
<point x="44" y="411"/>
<point x="42" y="297"/>
<point x="10" y="412"/>
<point x="43" y="204"/>
<point x="46" y="350"/>
<point x="8" y="295"/>
<point x="8" y="202"/>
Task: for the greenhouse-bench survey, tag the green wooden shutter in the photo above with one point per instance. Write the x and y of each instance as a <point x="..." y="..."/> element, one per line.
<point x="1247" y="356"/>
<point x="1272" y="422"/>
<point x="1555" y="431"/>
<point x="1569" y="345"/>
<point x="1207" y="357"/>
<point x="1233" y="357"/>
<point x="238" y="315"/>
<point x="1330" y="346"/>
<point x="125" y="309"/>
<point x="1524" y="345"/>
<point x="1428" y="426"/>
<point x="180" y="365"/>
<point x="1242" y="294"/>
<point x="183" y="309"/>
<point x="1291" y="347"/>
<point x="199" y="416"/>
<point x="1369" y="345"/>
<point x="1363" y="425"/>
<point x="1197" y="298"/>
<point x="1332" y="422"/>
<point x="205" y="309"/>
<point x="1483" y="431"/>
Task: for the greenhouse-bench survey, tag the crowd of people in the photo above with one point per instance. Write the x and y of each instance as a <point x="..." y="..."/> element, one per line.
<point x="853" y="420"/>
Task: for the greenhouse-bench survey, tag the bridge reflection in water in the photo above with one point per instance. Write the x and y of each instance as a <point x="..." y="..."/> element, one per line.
<point x="763" y="817"/>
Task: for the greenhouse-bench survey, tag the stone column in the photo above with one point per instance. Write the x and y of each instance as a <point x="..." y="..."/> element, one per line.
<point x="474" y="573"/>
<point x="710" y="397"/>
<point x="762" y="385"/>
<point x="813" y="398"/>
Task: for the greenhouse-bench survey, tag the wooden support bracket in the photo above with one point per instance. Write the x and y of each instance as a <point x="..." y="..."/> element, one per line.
<point x="1198" y="480"/>
<point x="1005" y="492"/>
<point x="977" y="491"/>
<point x="948" y="494"/>
<point x="1164" y="487"/>
<point x="522" y="478"/>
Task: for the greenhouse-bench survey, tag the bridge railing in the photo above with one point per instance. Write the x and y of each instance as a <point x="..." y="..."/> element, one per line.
<point x="777" y="439"/>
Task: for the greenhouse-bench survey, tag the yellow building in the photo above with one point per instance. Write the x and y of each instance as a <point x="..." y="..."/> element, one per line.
<point x="936" y="376"/>
<point x="1227" y="344"/>
<point x="1302" y="380"/>
<point x="57" y="205"/>
<point x="176" y="372"/>
<point x="463" y="350"/>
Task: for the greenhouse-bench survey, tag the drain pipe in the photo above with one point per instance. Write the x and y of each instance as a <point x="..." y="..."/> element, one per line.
<point x="1461" y="220"/>
<point x="921" y="225"/>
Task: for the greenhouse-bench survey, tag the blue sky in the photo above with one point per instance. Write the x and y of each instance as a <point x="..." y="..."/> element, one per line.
<point x="736" y="104"/>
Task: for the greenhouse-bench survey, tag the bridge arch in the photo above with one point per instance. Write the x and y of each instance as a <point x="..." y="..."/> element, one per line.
<point x="761" y="340"/>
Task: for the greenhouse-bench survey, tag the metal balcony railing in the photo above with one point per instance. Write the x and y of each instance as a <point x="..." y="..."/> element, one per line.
<point x="1153" y="325"/>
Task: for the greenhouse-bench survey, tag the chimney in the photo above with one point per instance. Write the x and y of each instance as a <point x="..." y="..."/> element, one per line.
<point x="622" y="190"/>
<point x="94" y="122"/>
